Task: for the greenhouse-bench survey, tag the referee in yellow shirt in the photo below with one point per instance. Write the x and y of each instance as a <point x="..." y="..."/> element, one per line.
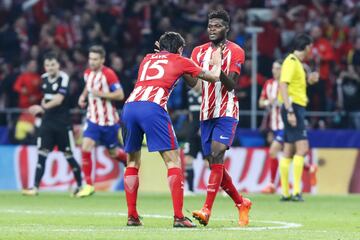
<point x="294" y="99"/>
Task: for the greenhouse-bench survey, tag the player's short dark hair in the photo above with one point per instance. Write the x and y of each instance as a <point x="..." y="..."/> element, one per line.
<point x="171" y="42"/>
<point x="98" y="49"/>
<point x="300" y="42"/>
<point x="51" y="56"/>
<point x="221" y="14"/>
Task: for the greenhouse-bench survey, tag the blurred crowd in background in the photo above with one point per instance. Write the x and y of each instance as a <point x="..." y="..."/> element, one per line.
<point x="129" y="28"/>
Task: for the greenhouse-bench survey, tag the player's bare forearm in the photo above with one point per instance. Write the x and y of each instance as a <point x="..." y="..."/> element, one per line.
<point x="285" y="95"/>
<point x="56" y="101"/>
<point x="117" y="95"/>
<point x="229" y="81"/>
<point x="85" y="92"/>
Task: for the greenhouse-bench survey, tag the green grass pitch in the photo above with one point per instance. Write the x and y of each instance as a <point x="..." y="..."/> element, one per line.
<point x="103" y="216"/>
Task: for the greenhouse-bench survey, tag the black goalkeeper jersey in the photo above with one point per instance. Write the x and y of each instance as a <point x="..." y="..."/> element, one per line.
<point x="52" y="86"/>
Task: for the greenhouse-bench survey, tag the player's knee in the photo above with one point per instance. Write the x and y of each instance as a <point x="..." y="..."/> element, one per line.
<point x="217" y="157"/>
<point x="272" y="153"/>
<point x="68" y="154"/>
<point x="87" y="145"/>
<point x="302" y="151"/>
<point x="134" y="160"/>
<point x="112" y="153"/>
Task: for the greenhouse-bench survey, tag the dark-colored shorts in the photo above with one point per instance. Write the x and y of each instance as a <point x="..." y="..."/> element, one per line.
<point x="192" y="145"/>
<point x="51" y="135"/>
<point x="297" y="133"/>
<point x="149" y="118"/>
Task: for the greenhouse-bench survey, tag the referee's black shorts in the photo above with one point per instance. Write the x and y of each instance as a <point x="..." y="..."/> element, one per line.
<point x="51" y="135"/>
<point x="297" y="133"/>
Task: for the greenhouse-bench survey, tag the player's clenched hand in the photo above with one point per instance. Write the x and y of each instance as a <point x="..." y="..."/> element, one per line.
<point x="36" y="109"/>
<point x="216" y="57"/>
<point x="313" y="77"/>
<point x="291" y="119"/>
<point x="82" y="101"/>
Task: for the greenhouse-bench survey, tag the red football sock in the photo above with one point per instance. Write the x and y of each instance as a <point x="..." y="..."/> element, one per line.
<point x="228" y="186"/>
<point x="87" y="166"/>
<point x="176" y="184"/>
<point x="131" y="180"/>
<point x="215" y="180"/>
<point x="274" y="164"/>
<point x="121" y="156"/>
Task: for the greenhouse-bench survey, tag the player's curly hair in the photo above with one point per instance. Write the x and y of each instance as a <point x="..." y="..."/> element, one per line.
<point x="221" y="14"/>
<point x="171" y="42"/>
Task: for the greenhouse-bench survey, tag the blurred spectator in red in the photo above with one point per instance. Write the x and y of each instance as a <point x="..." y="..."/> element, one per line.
<point x="338" y="33"/>
<point x="322" y="57"/>
<point x="27" y="85"/>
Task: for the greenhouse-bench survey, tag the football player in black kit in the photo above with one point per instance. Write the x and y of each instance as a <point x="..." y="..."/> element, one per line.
<point x="55" y="129"/>
<point x="192" y="146"/>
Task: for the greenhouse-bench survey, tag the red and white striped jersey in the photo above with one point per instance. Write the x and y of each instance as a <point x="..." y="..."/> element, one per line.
<point x="216" y="100"/>
<point x="158" y="75"/>
<point x="270" y="91"/>
<point x="101" y="111"/>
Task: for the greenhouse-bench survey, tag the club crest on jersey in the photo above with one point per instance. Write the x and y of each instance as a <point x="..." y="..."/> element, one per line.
<point x="55" y="86"/>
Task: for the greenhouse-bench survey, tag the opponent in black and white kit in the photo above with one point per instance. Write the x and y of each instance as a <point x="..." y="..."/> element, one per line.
<point x="55" y="129"/>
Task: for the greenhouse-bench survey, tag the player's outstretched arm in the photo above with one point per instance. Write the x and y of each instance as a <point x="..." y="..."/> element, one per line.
<point x="82" y="98"/>
<point x="117" y="95"/>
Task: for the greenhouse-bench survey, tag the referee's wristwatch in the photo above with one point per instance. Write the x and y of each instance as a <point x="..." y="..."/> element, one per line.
<point x="290" y="111"/>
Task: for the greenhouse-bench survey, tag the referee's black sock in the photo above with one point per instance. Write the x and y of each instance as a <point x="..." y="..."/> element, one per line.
<point x="190" y="178"/>
<point x="76" y="170"/>
<point x="40" y="168"/>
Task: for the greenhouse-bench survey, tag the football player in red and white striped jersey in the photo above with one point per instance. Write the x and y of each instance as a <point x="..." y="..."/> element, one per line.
<point x="102" y="86"/>
<point x="145" y="113"/>
<point x="268" y="99"/>
<point x="219" y="114"/>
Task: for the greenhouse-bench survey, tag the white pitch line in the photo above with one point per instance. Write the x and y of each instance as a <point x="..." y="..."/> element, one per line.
<point x="279" y="224"/>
